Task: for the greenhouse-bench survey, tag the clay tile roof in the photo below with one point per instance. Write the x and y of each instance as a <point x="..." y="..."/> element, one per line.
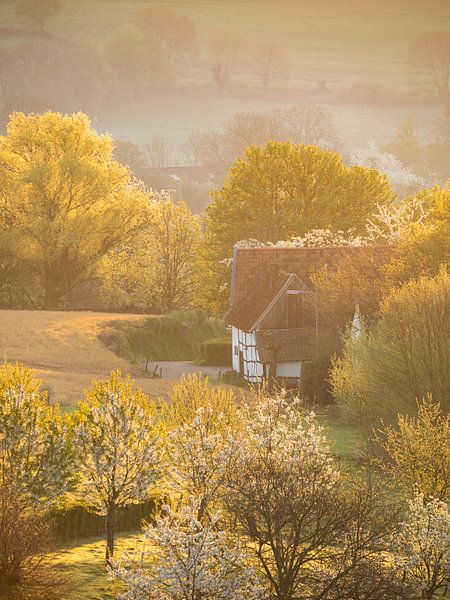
<point x="285" y="345"/>
<point x="245" y="313"/>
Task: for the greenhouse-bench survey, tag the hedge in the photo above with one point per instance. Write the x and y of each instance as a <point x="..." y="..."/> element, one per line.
<point x="76" y="522"/>
<point x="216" y="352"/>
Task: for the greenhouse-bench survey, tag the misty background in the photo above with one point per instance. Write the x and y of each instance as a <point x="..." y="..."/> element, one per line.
<point x="184" y="86"/>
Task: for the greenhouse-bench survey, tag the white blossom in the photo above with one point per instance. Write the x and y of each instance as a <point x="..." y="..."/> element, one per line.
<point x="186" y="560"/>
<point x="400" y="176"/>
<point x="422" y="548"/>
<point x="35" y="453"/>
<point x="117" y="445"/>
<point x="199" y="456"/>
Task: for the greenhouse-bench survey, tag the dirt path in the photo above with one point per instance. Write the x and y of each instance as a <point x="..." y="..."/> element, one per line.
<point x="174" y="369"/>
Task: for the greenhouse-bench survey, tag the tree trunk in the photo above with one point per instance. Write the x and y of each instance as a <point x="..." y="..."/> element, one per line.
<point x="110" y="526"/>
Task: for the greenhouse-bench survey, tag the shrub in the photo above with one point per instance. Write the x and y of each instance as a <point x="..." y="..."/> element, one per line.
<point x="404" y="356"/>
<point x="216" y="352"/>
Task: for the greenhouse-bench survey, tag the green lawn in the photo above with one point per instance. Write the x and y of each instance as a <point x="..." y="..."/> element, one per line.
<point x="83" y="566"/>
<point x="347" y="440"/>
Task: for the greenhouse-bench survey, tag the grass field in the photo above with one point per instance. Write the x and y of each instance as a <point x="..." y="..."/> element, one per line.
<point x="64" y="350"/>
<point x="83" y="567"/>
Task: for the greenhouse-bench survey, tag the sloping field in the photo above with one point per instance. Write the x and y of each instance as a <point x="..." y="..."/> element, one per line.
<point x="64" y="351"/>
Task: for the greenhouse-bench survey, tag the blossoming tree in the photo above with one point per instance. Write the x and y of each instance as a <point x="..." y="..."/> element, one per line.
<point x="118" y="448"/>
<point x="35" y="455"/>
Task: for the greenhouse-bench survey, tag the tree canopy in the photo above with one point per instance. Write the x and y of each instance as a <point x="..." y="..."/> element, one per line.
<point x="66" y="201"/>
<point x="280" y="191"/>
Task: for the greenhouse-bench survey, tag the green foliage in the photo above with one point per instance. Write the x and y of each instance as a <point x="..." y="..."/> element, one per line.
<point x="176" y="336"/>
<point x="279" y="191"/>
<point x="216" y="352"/>
<point x="68" y="202"/>
<point x="417" y="451"/>
<point x="35" y="452"/>
<point x="405" y="356"/>
<point x="157" y="269"/>
<point x="194" y="393"/>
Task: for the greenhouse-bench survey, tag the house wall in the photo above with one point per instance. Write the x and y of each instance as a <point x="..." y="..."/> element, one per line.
<point x="235" y="348"/>
<point x="289" y="369"/>
<point x="246" y="343"/>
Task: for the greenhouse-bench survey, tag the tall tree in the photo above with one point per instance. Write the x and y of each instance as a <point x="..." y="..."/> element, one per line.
<point x="68" y="201"/>
<point x="279" y="191"/>
<point x="310" y="535"/>
<point x="118" y="449"/>
<point x="157" y="269"/>
<point x="416" y="453"/>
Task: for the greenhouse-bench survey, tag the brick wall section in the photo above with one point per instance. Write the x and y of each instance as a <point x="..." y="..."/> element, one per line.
<point x="252" y="265"/>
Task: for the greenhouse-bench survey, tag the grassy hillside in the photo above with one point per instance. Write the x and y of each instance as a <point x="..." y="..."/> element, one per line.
<point x="176" y="336"/>
<point x="64" y="350"/>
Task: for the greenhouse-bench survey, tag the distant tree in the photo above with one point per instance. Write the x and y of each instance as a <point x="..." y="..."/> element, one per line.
<point x="139" y="63"/>
<point x="431" y="53"/>
<point x="35" y="453"/>
<point x="129" y="154"/>
<point x="26" y="570"/>
<point x="310" y="124"/>
<point x="175" y="31"/>
<point x="206" y="148"/>
<point x="281" y="191"/>
<point x="116" y="438"/>
<point x="43" y="72"/>
<point x="403" y="180"/>
<point x="268" y="61"/>
<point x="68" y="201"/>
<point x="408" y="148"/>
<point x="227" y="50"/>
<point x="158" y="151"/>
<point x="195" y="560"/>
<point x="416" y="453"/>
<point x="306" y="124"/>
<point x="422" y="547"/>
<point x="242" y="130"/>
<point x="403" y="357"/>
<point x="38" y="12"/>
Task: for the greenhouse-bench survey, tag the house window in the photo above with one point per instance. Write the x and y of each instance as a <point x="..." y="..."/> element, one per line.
<point x="236" y="350"/>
